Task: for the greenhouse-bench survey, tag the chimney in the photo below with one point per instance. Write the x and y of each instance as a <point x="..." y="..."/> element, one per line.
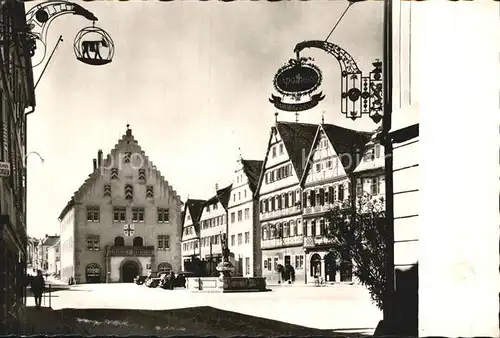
<point x="99" y="158"/>
<point x="95" y="164"/>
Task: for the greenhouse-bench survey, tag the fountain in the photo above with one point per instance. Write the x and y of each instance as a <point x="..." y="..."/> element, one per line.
<point x="226" y="282"/>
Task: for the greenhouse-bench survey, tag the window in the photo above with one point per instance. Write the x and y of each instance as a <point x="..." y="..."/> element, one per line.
<point x="114" y="173"/>
<point x="163" y="242"/>
<point x="119" y="214"/>
<point x="107" y="190"/>
<point x="274" y="151"/>
<point x="377" y="150"/>
<point x="374" y="186"/>
<point x="264" y="232"/>
<point x="281" y="149"/>
<point x="329" y="164"/>
<point x="163" y="216"/>
<point x="93" y="242"/>
<point x="233" y="217"/>
<point x="293" y="229"/>
<point x="149" y="191"/>
<point x="164" y="268"/>
<point x="119" y="241"/>
<point x="369" y="155"/>
<point x="286" y="229"/>
<point x="247" y="265"/>
<point x="318" y="167"/>
<point x="245" y="193"/>
<point x="128" y="155"/>
<point x="340" y="190"/>
<point x="232" y="240"/>
<point x="142" y="175"/>
<point x="129" y="192"/>
<point x="247" y="213"/>
<point x="239" y="195"/>
<point x="240" y="239"/>
<point x="240" y="215"/>
<point x="359" y="187"/>
<point x="138" y="215"/>
<point x="381" y="185"/>
<point x="92" y="214"/>
<point x="247" y="237"/>
<point x="299" y="262"/>
<point x="321" y="226"/>
<point x="265" y="263"/>
<point x="138" y="241"/>
<point x="275" y="263"/>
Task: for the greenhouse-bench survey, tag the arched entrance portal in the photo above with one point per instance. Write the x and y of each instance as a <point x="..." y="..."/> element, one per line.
<point x="330" y="267"/>
<point x="315" y="265"/>
<point x="129" y="270"/>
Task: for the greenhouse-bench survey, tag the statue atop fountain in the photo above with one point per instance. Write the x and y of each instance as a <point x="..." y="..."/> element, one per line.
<point x="225" y="267"/>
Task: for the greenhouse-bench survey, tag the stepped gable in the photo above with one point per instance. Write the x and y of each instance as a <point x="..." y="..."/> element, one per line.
<point x="195" y="208"/>
<point x="123" y="143"/>
<point x="252" y="169"/>
<point x="345" y="142"/>
<point x="298" y="139"/>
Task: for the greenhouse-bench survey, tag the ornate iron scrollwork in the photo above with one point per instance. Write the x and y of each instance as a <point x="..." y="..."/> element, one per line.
<point x="94" y="46"/>
<point x="359" y="94"/>
<point x="41" y="16"/>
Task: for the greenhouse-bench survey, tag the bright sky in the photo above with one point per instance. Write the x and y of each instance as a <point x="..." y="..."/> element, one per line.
<point x="193" y="80"/>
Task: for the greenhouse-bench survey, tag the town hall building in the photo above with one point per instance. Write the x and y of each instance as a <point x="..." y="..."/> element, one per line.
<point x="124" y="221"/>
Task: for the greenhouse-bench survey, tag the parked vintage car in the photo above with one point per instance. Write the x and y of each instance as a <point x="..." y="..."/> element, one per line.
<point x="153" y="280"/>
<point x="139" y="280"/>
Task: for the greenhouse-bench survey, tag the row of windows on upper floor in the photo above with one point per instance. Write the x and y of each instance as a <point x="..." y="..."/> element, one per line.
<point x="213" y="222"/>
<point x="240" y="215"/>
<point x="278" y="173"/>
<point x="128" y="191"/>
<point x="215" y="240"/>
<point x="94" y="244"/>
<point x="120" y="214"/>
<point x="239" y="195"/>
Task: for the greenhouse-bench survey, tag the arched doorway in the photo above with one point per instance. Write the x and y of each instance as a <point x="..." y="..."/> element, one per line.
<point x="93" y="273"/>
<point x="164" y="268"/>
<point x="138" y="241"/>
<point x="315" y="265"/>
<point x="129" y="270"/>
<point x="119" y="241"/>
<point x="330" y="267"/>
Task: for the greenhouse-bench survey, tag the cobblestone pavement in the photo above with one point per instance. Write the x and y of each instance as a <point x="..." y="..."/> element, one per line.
<point x="337" y="307"/>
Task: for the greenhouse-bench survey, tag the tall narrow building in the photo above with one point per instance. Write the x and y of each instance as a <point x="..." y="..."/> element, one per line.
<point x="191" y="234"/>
<point x="244" y="230"/>
<point x="280" y="199"/>
<point x="124" y="221"/>
<point x="326" y="183"/>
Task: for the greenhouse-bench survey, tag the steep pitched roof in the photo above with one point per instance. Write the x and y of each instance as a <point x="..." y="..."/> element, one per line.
<point x="252" y="169"/>
<point x="195" y="208"/>
<point x="127" y="138"/>
<point x="297" y="138"/>
<point x="50" y="240"/>
<point x="222" y="196"/>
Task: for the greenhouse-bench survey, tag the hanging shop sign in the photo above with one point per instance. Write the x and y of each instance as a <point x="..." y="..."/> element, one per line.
<point x="297" y="79"/>
<point x="94" y="46"/>
<point x="4" y="169"/>
<point x="313" y="102"/>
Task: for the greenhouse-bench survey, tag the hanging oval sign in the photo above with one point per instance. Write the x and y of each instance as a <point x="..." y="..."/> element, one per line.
<point x="297" y="79"/>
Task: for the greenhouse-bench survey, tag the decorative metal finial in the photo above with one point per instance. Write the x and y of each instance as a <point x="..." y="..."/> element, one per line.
<point x="323" y="117"/>
<point x="239" y="151"/>
<point x="128" y="125"/>
<point x="276" y="117"/>
<point x="297" y="117"/>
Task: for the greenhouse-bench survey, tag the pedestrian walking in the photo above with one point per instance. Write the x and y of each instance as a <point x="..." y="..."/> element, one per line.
<point x="37" y="287"/>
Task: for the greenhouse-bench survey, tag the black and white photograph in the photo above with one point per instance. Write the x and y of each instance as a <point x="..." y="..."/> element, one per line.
<point x="248" y="168"/>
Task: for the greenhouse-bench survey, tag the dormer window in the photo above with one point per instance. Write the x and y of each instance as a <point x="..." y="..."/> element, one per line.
<point x="114" y="173"/>
<point x="369" y="155"/>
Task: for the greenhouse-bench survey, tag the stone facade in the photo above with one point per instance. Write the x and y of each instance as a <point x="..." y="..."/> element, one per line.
<point x="126" y="220"/>
<point x="54" y="258"/>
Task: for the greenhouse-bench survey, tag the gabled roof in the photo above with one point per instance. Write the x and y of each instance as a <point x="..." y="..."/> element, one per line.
<point x="50" y="240"/>
<point x="297" y="138"/>
<point x="195" y="208"/>
<point x="346" y="143"/>
<point x="127" y="138"/>
<point x="375" y="164"/>
<point x="252" y="169"/>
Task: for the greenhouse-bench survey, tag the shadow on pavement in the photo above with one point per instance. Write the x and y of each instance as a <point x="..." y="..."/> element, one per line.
<point x="197" y="321"/>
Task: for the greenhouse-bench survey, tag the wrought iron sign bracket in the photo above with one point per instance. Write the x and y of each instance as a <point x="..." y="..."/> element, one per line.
<point x="359" y="94"/>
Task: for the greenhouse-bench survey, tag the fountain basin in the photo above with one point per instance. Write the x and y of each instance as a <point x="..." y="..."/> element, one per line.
<point x="226" y="284"/>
